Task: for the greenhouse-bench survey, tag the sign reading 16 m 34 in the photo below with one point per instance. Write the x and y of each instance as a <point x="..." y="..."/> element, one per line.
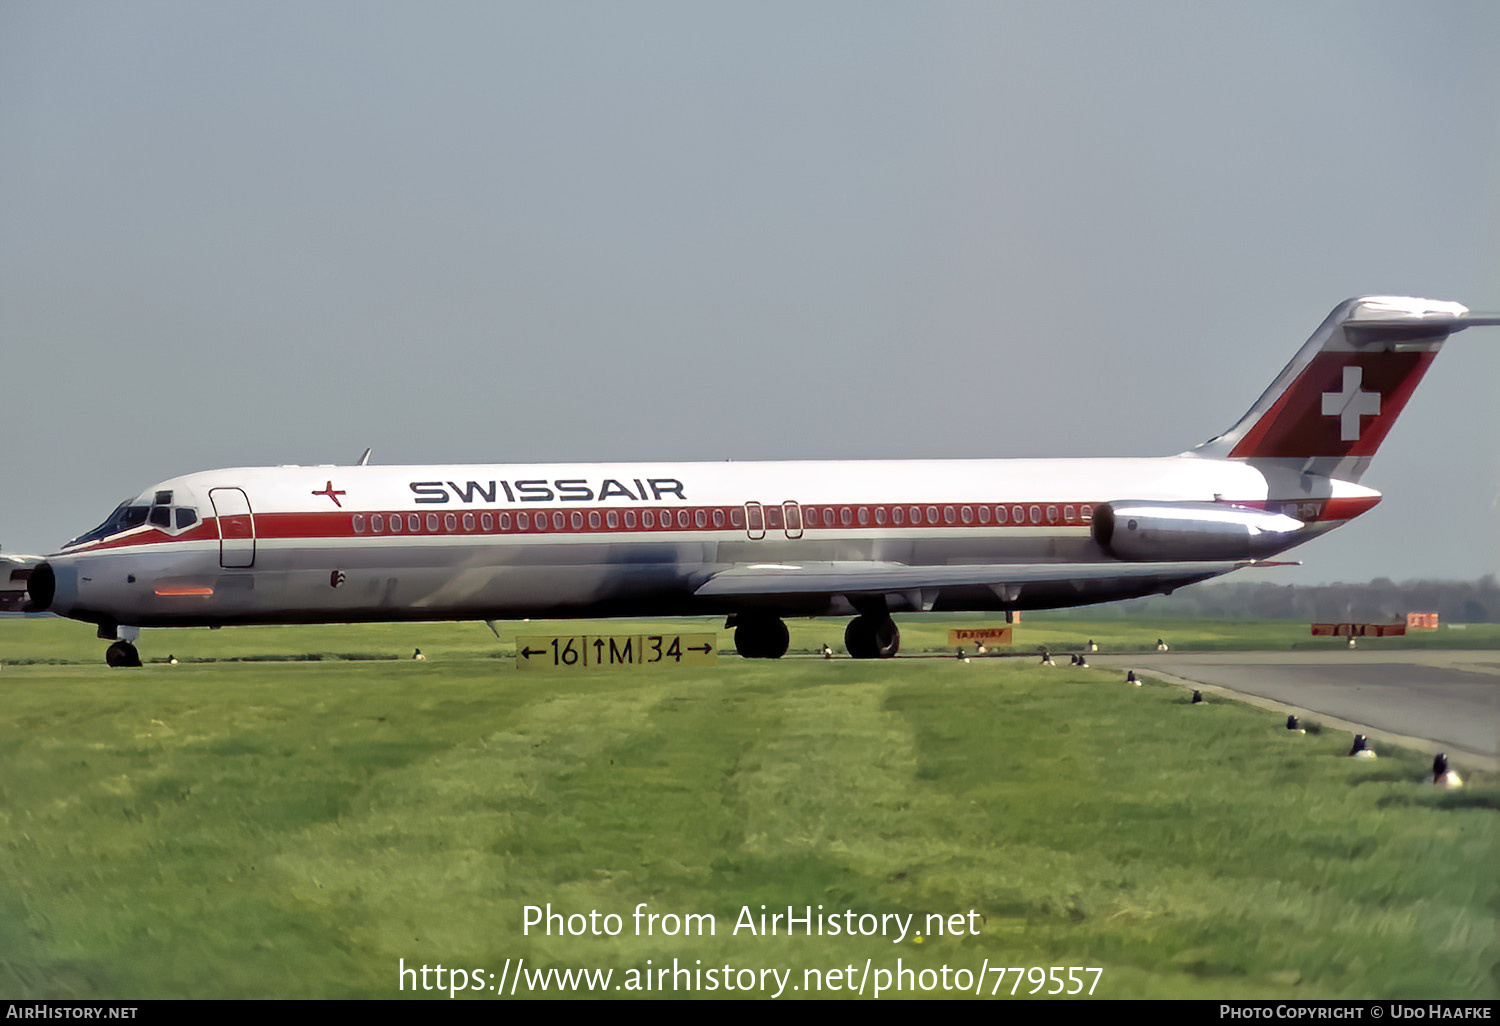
<point x="616" y="651"/>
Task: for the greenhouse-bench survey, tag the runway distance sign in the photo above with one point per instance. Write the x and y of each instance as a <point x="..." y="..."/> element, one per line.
<point x="616" y="651"/>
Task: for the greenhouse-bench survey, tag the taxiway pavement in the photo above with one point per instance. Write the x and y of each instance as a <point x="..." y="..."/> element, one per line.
<point x="1433" y="701"/>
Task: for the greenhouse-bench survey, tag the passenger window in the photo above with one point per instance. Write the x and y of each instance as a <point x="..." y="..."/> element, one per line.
<point x="700" y="518"/>
<point x="468" y="521"/>
<point x="948" y="515"/>
<point x="413" y="522"/>
<point x="718" y="518"/>
<point x="846" y="516"/>
<point x="811" y="516"/>
<point x="966" y="514"/>
<point x="594" y="520"/>
<point x="612" y="519"/>
<point x="557" y="521"/>
<point x="432" y="521"/>
<point x="577" y="520"/>
<point x="880" y="515"/>
<point x="682" y="518"/>
<point x="1068" y="513"/>
<point x="359" y="521"/>
<point x="395" y="523"/>
<point x="1000" y="515"/>
<point x="630" y="519"/>
<point x="864" y="516"/>
<point x="523" y="522"/>
<point x="648" y="519"/>
<point x="932" y="515"/>
<point x="1036" y="514"/>
<point x="898" y="516"/>
<point x="504" y="519"/>
<point x="378" y="523"/>
<point x="736" y="518"/>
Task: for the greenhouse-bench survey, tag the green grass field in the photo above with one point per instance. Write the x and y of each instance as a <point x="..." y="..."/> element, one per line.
<point x="52" y="640"/>
<point x="296" y="829"/>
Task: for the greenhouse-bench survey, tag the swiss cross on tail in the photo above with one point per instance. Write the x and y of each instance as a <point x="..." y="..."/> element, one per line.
<point x="1342" y="404"/>
<point x="1350" y="404"/>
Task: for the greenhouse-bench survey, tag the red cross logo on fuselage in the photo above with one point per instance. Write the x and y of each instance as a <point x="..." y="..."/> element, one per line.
<point x="334" y="495"/>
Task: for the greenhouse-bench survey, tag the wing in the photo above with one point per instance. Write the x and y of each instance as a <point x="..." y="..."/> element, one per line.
<point x="1006" y="579"/>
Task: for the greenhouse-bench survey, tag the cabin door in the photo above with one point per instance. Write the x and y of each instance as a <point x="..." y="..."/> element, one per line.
<point x="236" y="527"/>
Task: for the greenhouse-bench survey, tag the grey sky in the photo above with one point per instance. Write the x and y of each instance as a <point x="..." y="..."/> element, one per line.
<point x="260" y="233"/>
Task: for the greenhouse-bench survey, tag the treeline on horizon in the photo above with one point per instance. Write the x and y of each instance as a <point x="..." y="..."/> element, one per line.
<point x="1379" y="601"/>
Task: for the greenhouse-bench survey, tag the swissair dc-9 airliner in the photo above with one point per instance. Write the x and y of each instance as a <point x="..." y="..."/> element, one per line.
<point x="755" y="542"/>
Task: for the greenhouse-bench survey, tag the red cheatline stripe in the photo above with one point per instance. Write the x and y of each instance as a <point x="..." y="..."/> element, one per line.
<point x="816" y="517"/>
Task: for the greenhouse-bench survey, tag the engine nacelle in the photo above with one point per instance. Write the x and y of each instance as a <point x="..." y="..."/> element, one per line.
<point x="1160" y="531"/>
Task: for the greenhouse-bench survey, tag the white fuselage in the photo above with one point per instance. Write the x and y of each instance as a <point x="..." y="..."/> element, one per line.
<point x="342" y="543"/>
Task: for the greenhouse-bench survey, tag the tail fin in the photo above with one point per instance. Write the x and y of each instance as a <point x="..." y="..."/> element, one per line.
<point x="1331" y="407"/>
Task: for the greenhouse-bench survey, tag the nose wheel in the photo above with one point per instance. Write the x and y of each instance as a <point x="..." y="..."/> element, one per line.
<point x="122" y="653"/>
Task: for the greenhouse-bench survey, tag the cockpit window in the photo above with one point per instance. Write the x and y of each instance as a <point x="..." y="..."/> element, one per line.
<point x="123" y="518"/>
<point x="127" y="516"/>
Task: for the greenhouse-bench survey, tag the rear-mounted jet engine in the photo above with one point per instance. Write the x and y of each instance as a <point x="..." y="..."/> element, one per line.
<point x="1149" y="531"/>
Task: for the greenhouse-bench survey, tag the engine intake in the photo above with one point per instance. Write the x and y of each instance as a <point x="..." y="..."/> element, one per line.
<point x="1160" y="531"/>
<point x="41" y="588"/>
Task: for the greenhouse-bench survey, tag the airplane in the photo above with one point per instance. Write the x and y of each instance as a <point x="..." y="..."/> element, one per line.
<point x="755" y="542"/>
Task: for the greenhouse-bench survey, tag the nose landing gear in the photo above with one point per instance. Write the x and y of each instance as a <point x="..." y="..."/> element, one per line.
<point x="122" y="653"/>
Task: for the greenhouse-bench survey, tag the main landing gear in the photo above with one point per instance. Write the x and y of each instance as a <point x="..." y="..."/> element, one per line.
<point x="763" y="636"/>
<point x="872" y="637"/>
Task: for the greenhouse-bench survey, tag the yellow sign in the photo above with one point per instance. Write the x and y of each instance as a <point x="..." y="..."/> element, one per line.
<point x="616" y="651"/>
<point x="986" y="636"/>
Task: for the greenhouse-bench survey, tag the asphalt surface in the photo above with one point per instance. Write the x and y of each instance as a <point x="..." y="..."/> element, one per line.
<point x="1433" y="701"/>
